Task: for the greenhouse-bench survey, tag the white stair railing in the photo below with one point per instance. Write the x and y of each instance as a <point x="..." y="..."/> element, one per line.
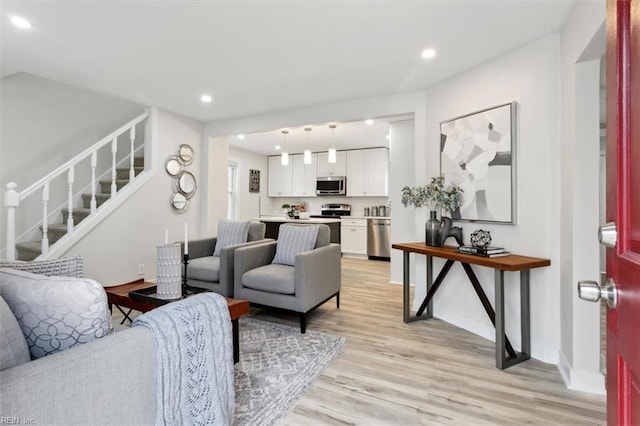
<point x="13" y="198"/>
<point x="45" y="219"/>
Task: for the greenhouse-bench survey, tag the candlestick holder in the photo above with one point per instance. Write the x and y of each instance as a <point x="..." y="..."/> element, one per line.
<point x="185" y="261"/>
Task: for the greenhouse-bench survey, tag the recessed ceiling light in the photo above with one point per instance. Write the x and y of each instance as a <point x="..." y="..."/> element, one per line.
<point x="20" y="22"/>
<point x="240" y="136"/>
<point x="277" y="147"/>
<point x="206" y="99"/>
<point x="369" y="122"/>
<point x="428" y="53"/>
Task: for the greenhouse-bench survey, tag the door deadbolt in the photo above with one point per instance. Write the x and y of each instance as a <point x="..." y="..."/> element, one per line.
<point x="608" y="234"/>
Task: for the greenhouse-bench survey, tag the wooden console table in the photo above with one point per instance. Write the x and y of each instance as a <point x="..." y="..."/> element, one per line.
<point x="506" y="356"/>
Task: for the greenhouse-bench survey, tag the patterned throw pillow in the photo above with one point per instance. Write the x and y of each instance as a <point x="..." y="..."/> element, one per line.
<point x="293" y="240"/>
<point x="13" y="346"/>
<point x="55" y="313"/>
<point x="230" y="233"/>
<point x="65" y="267"/>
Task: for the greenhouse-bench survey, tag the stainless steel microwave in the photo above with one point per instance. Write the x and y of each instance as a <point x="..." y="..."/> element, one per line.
<point x="331" y="185"/>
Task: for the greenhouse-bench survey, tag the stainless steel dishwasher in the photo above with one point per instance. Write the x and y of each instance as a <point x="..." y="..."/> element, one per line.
<point x="379" y="238"/>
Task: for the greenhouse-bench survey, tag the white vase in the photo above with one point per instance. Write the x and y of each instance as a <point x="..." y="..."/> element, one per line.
<point x="169" y="272"/>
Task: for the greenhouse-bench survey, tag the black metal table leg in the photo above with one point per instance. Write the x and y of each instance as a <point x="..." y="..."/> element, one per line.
<point x="502" y="361"/>
<point x="126" y="315"/>
<point x="432" y="289"/>
<point x="406" y="287"/>
<point x="525" y="313"/>
<point x="236" y="341"/>
<point x="497" y="317"/>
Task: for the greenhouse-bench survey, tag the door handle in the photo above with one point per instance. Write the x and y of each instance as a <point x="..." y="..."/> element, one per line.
<point x="608" y="234"/>
<point x="592" y="292"/>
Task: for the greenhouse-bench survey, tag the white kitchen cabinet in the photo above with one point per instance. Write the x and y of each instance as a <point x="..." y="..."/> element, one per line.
<point x="368" y="172"/>
<point x="339" y="168"/>
<point x="353" y="236"/>
<point x="280" y="178"/>
<point x="304" y="175"/>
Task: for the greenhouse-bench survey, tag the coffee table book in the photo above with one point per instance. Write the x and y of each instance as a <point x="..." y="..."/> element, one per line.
<point x="481" y="250"/>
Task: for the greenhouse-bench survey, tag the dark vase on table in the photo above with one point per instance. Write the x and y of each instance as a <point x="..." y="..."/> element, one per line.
<point x="432" y="230"/>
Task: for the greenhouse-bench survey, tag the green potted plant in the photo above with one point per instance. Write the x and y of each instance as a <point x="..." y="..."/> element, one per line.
<point x="434" y="195"/>
<point x="285" y="209"/>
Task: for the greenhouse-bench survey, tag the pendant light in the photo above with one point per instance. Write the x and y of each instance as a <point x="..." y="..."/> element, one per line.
<point x="307" y="152"/>
<point x="284" y="157"/>
<point x="332" y="156"/>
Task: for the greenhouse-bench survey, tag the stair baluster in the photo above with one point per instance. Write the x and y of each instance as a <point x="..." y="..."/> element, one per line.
<point x="52" y="232"/>
<point x="70" y="179"/>
<point x="11" y="202"/>
<point x="132" y="136"/>
<point x="45" y="219"/>
<point x="114" y="150"/>
<point x="94" y="162"/>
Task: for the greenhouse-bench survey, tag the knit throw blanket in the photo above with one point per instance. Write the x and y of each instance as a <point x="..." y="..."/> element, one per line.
<point x="195" y="360"/>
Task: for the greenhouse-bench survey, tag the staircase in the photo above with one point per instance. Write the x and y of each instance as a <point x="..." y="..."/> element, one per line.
<point x="32" y="249"/>
<point x="106" y="185"/>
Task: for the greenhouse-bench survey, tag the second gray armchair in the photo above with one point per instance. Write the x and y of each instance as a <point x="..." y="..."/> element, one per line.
<point x="211" y="260"/>
<point x="274" y="275"/>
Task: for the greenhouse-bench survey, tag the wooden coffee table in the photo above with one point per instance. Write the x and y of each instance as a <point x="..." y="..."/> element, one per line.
<point x="120" y="297"/>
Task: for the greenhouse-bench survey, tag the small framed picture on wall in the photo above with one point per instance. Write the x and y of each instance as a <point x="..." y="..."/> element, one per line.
<point x="254" y="180"/>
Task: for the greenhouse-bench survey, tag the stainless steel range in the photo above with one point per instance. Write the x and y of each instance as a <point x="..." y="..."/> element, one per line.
<point x="334" y="210"/>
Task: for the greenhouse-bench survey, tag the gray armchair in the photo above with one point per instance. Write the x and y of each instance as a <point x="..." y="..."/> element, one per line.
<point x="315" y="278"/>
<point x="215" y="273"/>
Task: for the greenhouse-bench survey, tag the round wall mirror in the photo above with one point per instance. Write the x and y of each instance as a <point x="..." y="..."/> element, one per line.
<point x="179" y="202"/>
<point x="173" y="166"/>
<point x="185" y="154"/>
<point x="187" y="184"/>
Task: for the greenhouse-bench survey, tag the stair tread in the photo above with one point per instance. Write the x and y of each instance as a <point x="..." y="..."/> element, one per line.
<point x="56" y="226"/>
<point x="77" y="209"/>
<point x="117" y="181"/>
<point x="98" y="195"/>
<point x="30" y="245"/>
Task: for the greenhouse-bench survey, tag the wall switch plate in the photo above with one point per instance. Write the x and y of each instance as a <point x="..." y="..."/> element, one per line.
<point x="141" y="269"/>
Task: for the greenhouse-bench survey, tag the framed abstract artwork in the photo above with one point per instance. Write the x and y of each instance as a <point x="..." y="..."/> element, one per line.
<point x="478" y="153"/>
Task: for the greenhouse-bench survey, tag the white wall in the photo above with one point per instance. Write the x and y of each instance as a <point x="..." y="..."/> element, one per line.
<point x="529" y="76"/>
<point x="250" y="205"/>
<point x="583" y="44"/>
<point x="402" y="148"/>
<point x="128" y="237"/>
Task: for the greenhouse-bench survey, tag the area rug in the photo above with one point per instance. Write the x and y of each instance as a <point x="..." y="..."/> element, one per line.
<point x="277" y="365"/>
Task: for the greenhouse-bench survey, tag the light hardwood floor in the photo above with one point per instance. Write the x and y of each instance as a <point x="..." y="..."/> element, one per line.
<point x="426" y="372"/>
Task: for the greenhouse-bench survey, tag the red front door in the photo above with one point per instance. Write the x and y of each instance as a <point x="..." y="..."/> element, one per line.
<point x="623" y="208"/>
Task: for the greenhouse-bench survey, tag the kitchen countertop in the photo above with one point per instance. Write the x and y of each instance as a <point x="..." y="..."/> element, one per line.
<point x="367" y="217"/>
<point x="283" y="219"/>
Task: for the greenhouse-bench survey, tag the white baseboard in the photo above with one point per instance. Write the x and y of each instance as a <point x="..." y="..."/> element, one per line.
<point x="580" y="380"/>
<point x="355" y="255"/>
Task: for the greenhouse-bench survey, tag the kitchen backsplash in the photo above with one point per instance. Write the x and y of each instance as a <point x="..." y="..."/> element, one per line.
<point x="312" y="205"/>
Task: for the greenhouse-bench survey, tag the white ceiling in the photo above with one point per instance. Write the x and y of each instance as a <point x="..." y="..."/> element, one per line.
<point x="352" y="135"/>
<point x="262" y="56"/>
